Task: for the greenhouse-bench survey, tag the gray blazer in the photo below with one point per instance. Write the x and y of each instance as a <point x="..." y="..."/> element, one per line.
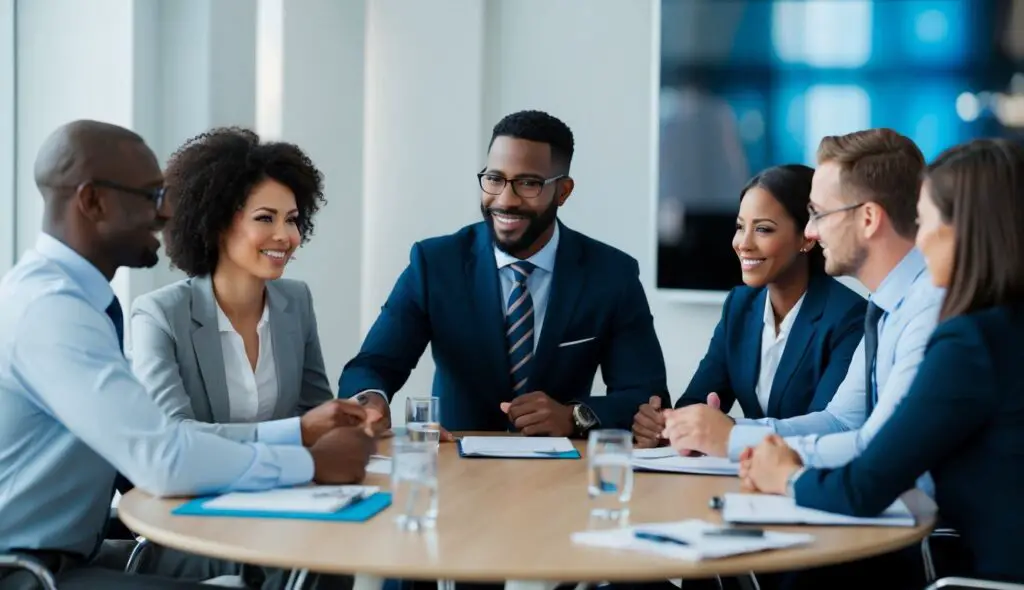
<point x="176" y="353"/>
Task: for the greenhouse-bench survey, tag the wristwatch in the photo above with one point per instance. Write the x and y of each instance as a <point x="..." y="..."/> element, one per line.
<point x="583" y="419"/>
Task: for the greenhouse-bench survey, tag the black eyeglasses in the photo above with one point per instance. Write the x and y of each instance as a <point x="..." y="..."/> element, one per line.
<point x="153" y="194"/>
<point x="527" y="188"/>
<point x="815" y="215"/>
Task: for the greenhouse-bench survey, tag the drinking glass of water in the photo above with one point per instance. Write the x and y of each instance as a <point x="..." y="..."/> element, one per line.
<point x="609" y="474"/>
<point x="414" y="483"/>
<point x="423" y="419"/>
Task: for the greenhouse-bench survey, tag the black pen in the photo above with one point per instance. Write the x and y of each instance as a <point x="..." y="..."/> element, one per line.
<point x="658" y="538"/>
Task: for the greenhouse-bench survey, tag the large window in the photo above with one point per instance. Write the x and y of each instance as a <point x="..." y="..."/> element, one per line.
<point x="754" y="83"/>
<point x="7" y="138"/>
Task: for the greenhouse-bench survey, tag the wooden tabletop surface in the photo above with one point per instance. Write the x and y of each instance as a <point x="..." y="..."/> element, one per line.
<point x="503" y="519"/>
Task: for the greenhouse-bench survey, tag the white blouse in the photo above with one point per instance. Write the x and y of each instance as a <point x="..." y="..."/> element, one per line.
<point x="252" y="395"/>
<point x="772" y="347"/>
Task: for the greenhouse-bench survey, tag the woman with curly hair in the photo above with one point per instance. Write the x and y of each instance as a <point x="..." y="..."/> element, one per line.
<point x="234" y="347"/>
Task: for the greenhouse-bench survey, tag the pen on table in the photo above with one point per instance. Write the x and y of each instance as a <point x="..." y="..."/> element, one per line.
<point x="658" y="538"/>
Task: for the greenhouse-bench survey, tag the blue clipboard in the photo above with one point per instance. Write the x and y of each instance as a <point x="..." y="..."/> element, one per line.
<point x="360" y="511"/>
<point x="573" y="454"/>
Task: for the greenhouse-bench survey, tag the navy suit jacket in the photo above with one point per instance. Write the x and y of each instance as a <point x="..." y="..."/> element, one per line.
<point x="450" y="296"/>
<point x="962" y="421"/>
<point x="827" y="329"/>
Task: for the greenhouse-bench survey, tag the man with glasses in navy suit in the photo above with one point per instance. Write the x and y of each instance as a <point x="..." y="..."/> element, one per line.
<point x="520" y="310"/>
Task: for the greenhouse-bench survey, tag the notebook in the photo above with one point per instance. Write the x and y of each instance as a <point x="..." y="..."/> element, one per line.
<point x="769" y="509"/>
<point x="518" y="447"/>
<point x="693" y="465"/>
<point x="692" y="544"/>
<point x="338" y="503"/>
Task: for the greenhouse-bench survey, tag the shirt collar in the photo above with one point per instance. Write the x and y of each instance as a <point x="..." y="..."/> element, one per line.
<point x="896" y="284"/>
<point x="96" y="287"/>
<point x="544" y="259"/>
<point x="787" y="322"/>
<point x="224" y="324"/>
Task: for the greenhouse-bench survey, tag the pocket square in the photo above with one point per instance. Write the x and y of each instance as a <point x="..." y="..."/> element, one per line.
<point x="574" y="342"/>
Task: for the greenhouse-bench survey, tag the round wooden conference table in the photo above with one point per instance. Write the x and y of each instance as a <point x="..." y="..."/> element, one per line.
<point x="504" y="520"/>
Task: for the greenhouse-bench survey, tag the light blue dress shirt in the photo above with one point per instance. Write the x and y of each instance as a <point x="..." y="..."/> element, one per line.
<point x="72" y="415"/>
<point x="837" y="434"/>
<point x="538" y="283"/>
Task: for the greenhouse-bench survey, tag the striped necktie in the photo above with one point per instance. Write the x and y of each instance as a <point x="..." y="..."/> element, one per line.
<point x="519" y="327"/>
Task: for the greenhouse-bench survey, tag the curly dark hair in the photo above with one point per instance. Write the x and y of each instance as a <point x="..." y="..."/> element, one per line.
<point x="541" y="127"/>
<point x="209" y="180"/>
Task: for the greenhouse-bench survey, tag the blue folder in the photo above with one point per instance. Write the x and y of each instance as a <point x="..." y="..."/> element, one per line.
<point x="359" y="511"/>
<point x="573" y="454"/>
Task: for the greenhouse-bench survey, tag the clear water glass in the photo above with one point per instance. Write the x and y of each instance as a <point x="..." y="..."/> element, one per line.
<point x="414" y="483"/>
<point x="423" y="419"/>
<point x="610" y="474"/>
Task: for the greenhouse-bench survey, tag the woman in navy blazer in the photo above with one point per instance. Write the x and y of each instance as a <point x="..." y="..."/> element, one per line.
<point x="963" y="419"/>
<point x="786" y="337"/>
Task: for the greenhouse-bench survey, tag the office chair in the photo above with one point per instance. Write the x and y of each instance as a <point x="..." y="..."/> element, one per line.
<point x="42" y="575"/>
<point x="954" y="582"/>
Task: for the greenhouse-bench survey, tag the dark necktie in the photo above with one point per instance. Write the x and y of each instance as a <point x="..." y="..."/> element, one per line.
<point x="117" y="316"/>
<point x="871" y="317"/>
<point x="519" y="327"/>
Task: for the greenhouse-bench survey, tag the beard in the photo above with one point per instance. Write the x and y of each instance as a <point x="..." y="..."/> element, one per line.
<point x="537" y="224"/>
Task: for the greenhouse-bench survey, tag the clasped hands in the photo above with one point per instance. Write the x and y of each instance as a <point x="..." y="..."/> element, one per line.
<point x="705" y="429"/>
<point x="697" y="429"/>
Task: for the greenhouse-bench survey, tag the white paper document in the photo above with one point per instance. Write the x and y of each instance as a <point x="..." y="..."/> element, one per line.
<point x="694" y="465"/>
<point x="696" y="545"/>
<point x="318" y="499"/>
<point x="379" y="464"/>
<point x="655" y="453"/>
<point x="769" y="509"/>
<point x="516" y="446"/>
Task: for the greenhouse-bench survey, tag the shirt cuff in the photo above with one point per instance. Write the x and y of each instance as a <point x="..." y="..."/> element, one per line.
<point x="791" y="482"/>
<point x="745" y="435"/>
<point x="377" y="391"/>
<point x="280" y="432"/>
<point x="296" y="465"/>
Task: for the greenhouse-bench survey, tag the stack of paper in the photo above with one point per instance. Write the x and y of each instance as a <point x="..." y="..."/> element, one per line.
<point x="525" y="447"/>
<point x="667" y="460"/>
<point x="313" y="499"/>
<point x="768" y="509"/>
<point x="696" y="545"/>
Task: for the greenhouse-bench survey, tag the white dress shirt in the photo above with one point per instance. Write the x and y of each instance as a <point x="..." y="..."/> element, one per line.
<point x="252" y="395"/>
<point x="772" y="347"/>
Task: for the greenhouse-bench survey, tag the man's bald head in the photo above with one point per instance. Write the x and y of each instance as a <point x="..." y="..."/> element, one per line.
<point x="84" y="150"/>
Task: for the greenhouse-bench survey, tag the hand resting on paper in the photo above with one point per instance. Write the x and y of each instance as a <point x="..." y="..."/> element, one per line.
<point x="770" y="465"/>
<point x="341" y="455"/>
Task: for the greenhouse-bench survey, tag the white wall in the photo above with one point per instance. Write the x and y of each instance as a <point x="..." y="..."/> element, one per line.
<point x="7" y="143"/>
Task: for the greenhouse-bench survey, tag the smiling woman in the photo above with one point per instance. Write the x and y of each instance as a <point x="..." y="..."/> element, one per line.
<point x="235" y="346"/>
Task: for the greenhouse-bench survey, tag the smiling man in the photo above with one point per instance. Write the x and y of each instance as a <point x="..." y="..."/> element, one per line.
<point x="520" y="310"/>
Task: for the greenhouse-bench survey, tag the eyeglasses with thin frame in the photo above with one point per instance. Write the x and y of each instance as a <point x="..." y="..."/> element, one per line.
<point x="153" y="194"/>
<point x="527" y="188"/>
<point x="816" y="216"/>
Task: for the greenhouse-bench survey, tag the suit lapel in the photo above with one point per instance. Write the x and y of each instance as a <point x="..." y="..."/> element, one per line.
<point x="288" y="348"/>
<point x="751" y="346"/>
<point x="206" y="343"/>
<point x="488" y="311"/>
<point x="799" y="339"/>
<point x="567" y="284"/>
